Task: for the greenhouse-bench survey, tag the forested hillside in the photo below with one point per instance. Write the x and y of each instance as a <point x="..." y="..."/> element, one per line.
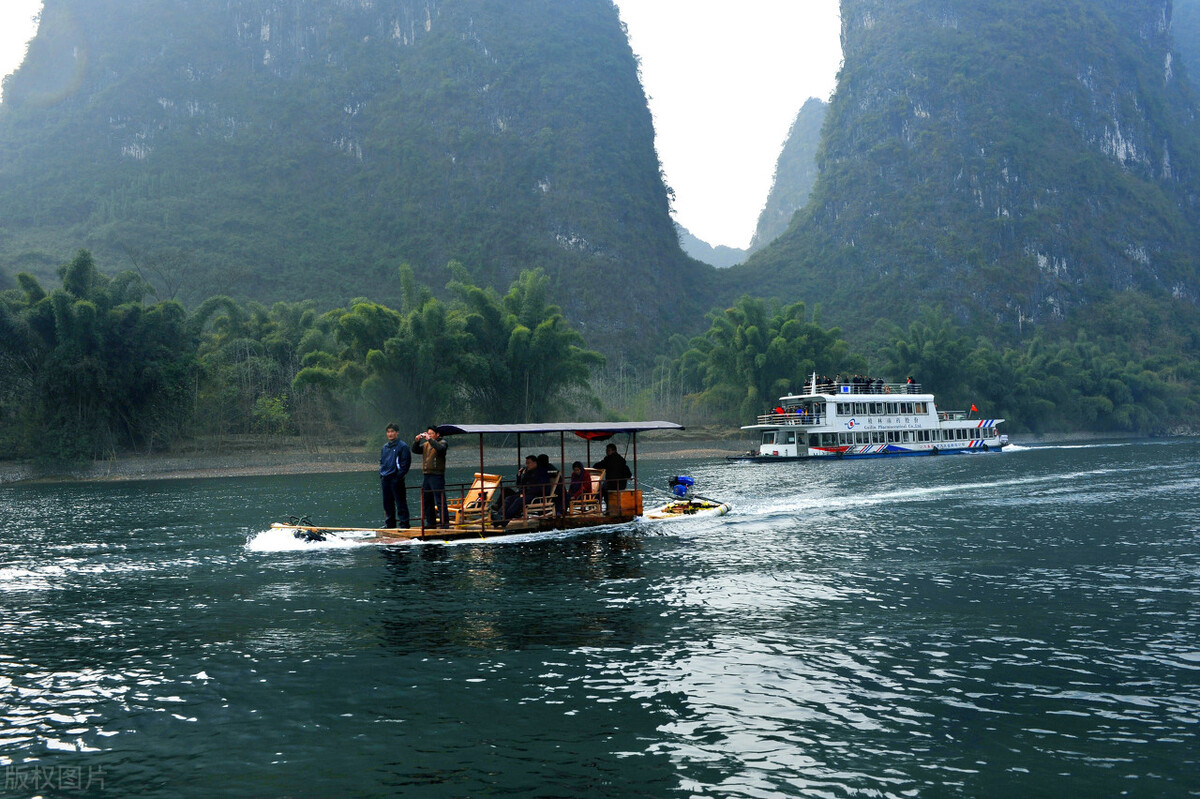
<point x="286" y="150"/>
<point x="1011" y="162"/>
<point x="299" y="218"/>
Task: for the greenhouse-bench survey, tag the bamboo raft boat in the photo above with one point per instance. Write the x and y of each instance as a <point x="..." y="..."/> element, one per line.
<point x="472" y="510"/>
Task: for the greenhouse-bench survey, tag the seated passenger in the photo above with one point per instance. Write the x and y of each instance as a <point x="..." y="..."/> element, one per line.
<point x="531" y="484"/>
<point x="616" y="471"/>
<point x="581" y="482"/>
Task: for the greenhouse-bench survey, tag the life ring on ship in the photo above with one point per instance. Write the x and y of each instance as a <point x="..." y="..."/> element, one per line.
<point x="887" y="389"/>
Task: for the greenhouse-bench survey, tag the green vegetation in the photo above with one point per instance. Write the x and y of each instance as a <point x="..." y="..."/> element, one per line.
<point x="88" y="370"/>
<point x="300" y="150"/>
<point x="1008" y="209"/>
<point x="1008" y="162"/>
<point x="1126" y="369"/>
<point x="752" y="354"/>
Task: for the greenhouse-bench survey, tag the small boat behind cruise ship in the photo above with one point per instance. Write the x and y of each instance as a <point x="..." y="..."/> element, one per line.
<point x="867" y="418"/>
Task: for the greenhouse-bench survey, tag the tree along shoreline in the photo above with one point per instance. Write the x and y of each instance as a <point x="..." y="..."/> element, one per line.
<point x="89" y="371"/>
<point x="282" y="458"/>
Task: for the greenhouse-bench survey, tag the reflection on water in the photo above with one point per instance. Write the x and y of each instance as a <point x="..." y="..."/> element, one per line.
<point x="978" y="625"/>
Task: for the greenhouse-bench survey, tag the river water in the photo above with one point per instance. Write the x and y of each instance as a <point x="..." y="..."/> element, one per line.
<point x="1023" y="623"/>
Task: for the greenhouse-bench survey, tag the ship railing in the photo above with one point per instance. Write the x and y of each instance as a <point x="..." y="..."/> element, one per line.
<point x="954" y="416"/>
<point x="863" y="387"/>
<point x="792" y="419"/>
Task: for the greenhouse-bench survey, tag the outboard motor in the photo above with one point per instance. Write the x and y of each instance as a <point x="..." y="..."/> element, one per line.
<point x="682" y="485"/>
<point x="309" y="535"/>
<point x="305" y="535"/>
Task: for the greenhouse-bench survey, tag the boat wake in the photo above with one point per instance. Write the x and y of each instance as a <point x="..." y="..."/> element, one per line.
<point x="284" y="539"/>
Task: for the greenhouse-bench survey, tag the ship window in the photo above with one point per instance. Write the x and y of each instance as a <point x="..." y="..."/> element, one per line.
<point x="789" y="437"/>
<point x="768" y="438"/>
<point x="813" y="439"/>
<point x="891" y="409"/>
<point x="920" y="406"/>
<point x="859" y="409"/>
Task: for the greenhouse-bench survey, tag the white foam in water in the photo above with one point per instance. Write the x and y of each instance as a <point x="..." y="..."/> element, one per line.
<point x="283" y="539"/>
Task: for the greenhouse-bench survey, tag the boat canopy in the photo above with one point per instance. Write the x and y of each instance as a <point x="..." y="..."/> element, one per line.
<point x="583" y="429"/>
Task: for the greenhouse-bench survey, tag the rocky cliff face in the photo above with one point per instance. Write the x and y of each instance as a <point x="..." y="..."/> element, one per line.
<point x="294" y="148"/>
<point x="1008" y="160"/>
<point x="795" y="174"/>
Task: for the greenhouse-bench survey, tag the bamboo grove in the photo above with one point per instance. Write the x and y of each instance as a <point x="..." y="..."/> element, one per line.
<point x="92" y="369"/>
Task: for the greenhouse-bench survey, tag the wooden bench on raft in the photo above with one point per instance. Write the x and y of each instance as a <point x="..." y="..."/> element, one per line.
<point x="474" y="504"/>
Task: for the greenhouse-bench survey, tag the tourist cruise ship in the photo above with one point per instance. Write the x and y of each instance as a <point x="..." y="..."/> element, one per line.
<point x="867" y="418"/>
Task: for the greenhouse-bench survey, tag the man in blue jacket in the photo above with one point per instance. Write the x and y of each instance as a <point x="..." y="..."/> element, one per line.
<point x="394" y="460"/>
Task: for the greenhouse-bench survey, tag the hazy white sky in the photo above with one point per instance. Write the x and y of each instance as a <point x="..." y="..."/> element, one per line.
<point x="725" y="79"/>
<point x="16" y="28"/>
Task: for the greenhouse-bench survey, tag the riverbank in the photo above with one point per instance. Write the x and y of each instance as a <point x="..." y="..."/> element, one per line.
<point x="258" y="456"/>
<point x="254" y="457"/>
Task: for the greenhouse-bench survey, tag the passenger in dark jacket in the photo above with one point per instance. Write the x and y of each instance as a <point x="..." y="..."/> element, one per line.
<point x="616" y="471"/>
<point x="394" y="462"/>
<point x="532" y="483"/>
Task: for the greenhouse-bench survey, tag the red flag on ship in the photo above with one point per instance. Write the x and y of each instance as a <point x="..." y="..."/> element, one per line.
<point x="974" y="409"/>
